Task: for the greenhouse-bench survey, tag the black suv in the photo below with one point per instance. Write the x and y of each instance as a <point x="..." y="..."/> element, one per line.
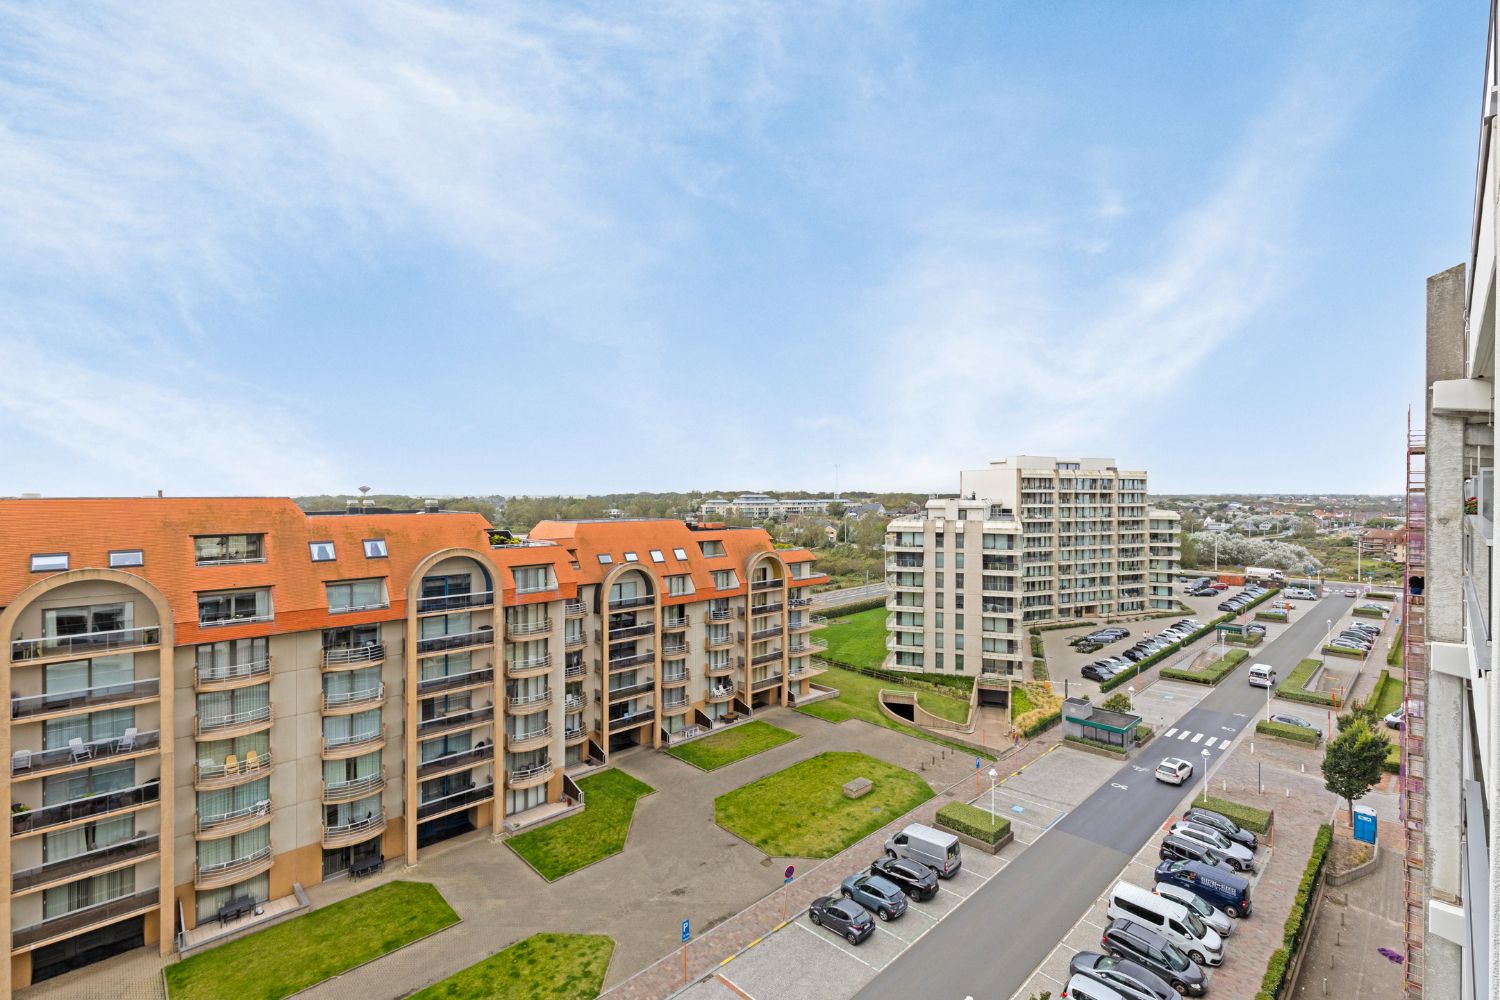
<point x="1222" y="823"/>
<point x="1127" y="939"/>
<point x="842" y="916"/>
<point x="919" y="882"/>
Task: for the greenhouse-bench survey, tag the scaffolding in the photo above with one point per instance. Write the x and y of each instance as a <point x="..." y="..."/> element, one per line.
<point x="1414" y="730"/>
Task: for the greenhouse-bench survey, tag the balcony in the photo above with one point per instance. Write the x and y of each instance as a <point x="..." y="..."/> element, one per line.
<point x="353" y="700"/>
<point x="36" y="706"/>
<point x="527" y="777"/>
<point x="353" y="790"/>
<point x="450" y="682"/>
<point x="35" y="763"/>
<point x="357" y="832"/>
<point x="799" y="602"/>
<point x="801" y="668"/>
<point x="807" y="623"/>
<point x="573" y="703"/>
<point x="718" y="669"/>
<point x="520" y="630"/>
<point x="573" y="671"/>
<point x="719" y="641"/>
<point x="807" y="646"/>
<point x="626" y="603"/>
<point x="575" y="640"/>
<point x="675" y="707"/>
<point x="768" y="608"/>
<point x="353" y="657"/>
<point x="85" y="644"/>
<point x="231" y="675"/>
<point x="141" y="846"/>
<point x="575" y="735"/>
<point x="340" y="747"/>
<point x="631" y="631"/>
<point x="454" y="722"/>
<point x="533" y="667"/>
<point x="531" y="740"/>
<point x="717" y="695"/>
<point x="456" y="801"/>
<point x="455" y="761"/>
<point x="216" y="876"/>
<point x="676" y="624"/>
<point x="232" y="822"/>
<point x="631" y="690"/>
<point x="765" y="633"/>
<point x="455" y="602"/>
<point x="679" y="677"/>
<point x="769" y="657"/>
<point x="679" y="649"/>
<point x="634" y="660"/>
<point x="526" y="703"/>
<point x="766" y="683"/>
<point x="208" y="775"/>
<point x="574" y="609"/>
<point x="629" y="720"/>
<point x="449" y="643"/>
<point x="235" y="723"/>
<point x="766" y="584"/>
<point x="69" y="924"/>
<point x="719" y="617"/>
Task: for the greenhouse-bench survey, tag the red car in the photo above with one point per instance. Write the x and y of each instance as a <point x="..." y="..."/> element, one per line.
<point x="1219" y="586"/>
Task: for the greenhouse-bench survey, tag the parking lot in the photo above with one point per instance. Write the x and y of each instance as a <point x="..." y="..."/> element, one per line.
<point x="801" y="960"/>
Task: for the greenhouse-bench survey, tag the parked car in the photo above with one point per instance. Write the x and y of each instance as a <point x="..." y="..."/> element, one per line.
<point x="1084" y="988"/>
<point x="1097" y="672"/>
<point x="1226" y="890"/>
<point x="1351" y="592"/>
<point x="933" y="848"/>
<point x="1129" y="979"/>
<point x="1207" y="912"/>
<point x="1220" y="587"/>
<point x="1255" y="628"/>
<point x="1292" y="720"/>
<point x="1225" y="825"/>
<point x="879" y="895"/>
<point x="1203" y="592"/>
<point x="1126" y="939"/>
<point x="919" y="882"/>
<point x="1397" y="719"/>
<point x="1175" y="848"/>
<point x="1174" y="771"/>
<point x="1240" y="857"/>
<point x="1168" y="918"/>
<point x="842" y="916"/>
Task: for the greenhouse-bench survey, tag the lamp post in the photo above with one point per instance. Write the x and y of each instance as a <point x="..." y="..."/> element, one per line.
<point x="993" y="775"/>
<point x="1205" y="777"/>
<point x="1132" y="698"/>
<point x="1328" y="636"/>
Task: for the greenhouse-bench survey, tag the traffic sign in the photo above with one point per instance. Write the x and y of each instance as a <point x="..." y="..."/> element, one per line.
<point x="977" y="764"/>
<point x="687" y="932"/>
<point x="790" y="871"/>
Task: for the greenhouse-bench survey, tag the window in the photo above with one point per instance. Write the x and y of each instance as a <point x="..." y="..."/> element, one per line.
<point x="657" y="557"/>
<point x="375" y="548"/>
<point x="49" y="563"/>
<point x="126" y="557"/>
<point x="234" y="606"/>
<point x="631" y="557"/>
<point x="58" y="622"/>
<point x="712" y="548"/>
<point x="215" y="550"/>
<point x="680" y="554"/>
<point x="357" y="595"/>
<point x="679" y="585"/>
<point x="321" y="551"/>
<point x="605" y="559"/>
<point x="724" y="579"/>
<point x="530" y="579"/>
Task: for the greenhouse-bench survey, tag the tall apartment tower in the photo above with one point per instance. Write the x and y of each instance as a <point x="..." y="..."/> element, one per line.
<point x="216" y="701"/>
<point x="1029" y="540"/>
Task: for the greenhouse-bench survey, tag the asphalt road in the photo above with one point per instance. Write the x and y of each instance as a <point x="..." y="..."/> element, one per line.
<point x="990" y="947"/>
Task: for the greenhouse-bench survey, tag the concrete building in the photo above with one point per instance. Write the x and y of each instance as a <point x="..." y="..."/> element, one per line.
<point x="216" y="701"/>
<point x="1029" y="541"/>
<point x="760" y="507"/>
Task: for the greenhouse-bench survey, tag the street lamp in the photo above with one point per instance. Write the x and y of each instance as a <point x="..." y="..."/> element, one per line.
<point x="1328" y="636"/>
<point x="1205" y="777"/>
<point x="993" y="775"/>
<point x="1132" y="697"/>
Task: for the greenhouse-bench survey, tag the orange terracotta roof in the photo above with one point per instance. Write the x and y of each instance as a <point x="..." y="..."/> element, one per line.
<point x="163" y="529"/>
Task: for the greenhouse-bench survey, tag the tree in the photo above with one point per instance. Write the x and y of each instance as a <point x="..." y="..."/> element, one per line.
<point x="1353" y="761"/>
<point x="1116" y="703"/>
<point x="836" y="510"/>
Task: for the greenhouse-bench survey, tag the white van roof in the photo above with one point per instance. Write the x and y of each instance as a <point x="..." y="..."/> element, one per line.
<point x="1136" y="894"/>
<point x="1262" y="668"/>
<point x="928" y="833"/>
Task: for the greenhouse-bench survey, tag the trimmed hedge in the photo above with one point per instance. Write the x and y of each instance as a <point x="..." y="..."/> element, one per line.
<point x="1392" y="763"/>
<point x="1369" y="613"/>
<point x="1376" y="595"/>
<point x="960" y="817"/>
<point x="1291" y="934"/>
<point x="934" y="682"/>
<point x="1054" y="626"/>
<point x="1037" y="649"/>
<point x="1124" y="678"/>
<point x="1396" y="655"/>
<point x="1042" y="724"/>
<point x="1084" y="741"/>
<point x="1343" y="651"/>
<point x="1249" y="817"/>
<point x="1213" y="673"/>
<point x="852" y="608"/>
<point x="1039" y="670"/>
<point x="1270" y="616"/>
<point x="1244" y="640"/>
<point x="1295" y="733"/>
<point x="1295" y="688"/>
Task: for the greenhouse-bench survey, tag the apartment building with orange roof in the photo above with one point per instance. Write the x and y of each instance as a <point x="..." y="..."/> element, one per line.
<point x="215" y="702"/>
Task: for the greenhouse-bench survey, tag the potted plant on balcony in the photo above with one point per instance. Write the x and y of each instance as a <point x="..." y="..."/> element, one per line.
<point x="1471" y="505"/>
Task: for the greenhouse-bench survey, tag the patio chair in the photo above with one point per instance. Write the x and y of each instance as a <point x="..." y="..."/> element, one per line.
<point x="80" y="750"/>
<point x="20" y="761"/>
<point x="252" y="760"/>
<point x="126" y="743"/>
<point x="231" y="764"/>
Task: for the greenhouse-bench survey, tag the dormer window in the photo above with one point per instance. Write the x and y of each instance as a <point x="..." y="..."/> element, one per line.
<point x="680" y="554"/>
<point x="657" y="557"/>
<point x="222" y="550"/>
<point x="712" y="548"/>
<point x="321" y="551"/>
<point x="375" y="548"/>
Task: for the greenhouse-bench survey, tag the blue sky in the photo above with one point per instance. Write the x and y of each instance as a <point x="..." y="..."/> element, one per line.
<point x="587" y="248"/>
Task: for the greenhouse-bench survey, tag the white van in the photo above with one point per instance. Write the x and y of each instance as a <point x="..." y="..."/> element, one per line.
<point x="1262" y="675"/>
<point x="1207" y="912"/>
<point x="1168" y="918"/>
<point x="933" y="848"/>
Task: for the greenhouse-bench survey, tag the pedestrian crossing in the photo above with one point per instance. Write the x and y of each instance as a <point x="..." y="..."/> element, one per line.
<point x="1200" y="739"/>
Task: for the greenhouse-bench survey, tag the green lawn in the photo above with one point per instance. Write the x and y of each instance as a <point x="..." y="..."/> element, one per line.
<point x="562" y="848"/>
<point x="801" y="812"/>
<point x="858" y="638"/>
<point x="858" y="700"/>
<point x="1020" y="702"/>
<point x="746" y="740"/>
<point x="316" y="946"/>
<point x="1390" y="696"/>
<point x="542" y="967"/>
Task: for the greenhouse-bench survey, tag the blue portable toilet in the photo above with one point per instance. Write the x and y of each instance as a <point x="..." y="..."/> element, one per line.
<point x="1364" y="824"/>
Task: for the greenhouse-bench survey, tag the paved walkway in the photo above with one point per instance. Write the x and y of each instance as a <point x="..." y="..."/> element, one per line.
<point x="677" y="864"/>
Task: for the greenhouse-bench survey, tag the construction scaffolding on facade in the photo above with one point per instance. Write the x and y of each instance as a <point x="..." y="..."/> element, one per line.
<point x="1414" y="732"/>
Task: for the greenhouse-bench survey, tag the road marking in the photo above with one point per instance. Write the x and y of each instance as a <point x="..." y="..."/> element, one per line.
<point x="1140" y="768"/>
<point x="1208" y="743"/>
<point x="1227" y="729"/>
<point x="1241" y="715"/>
<point x="1169" y="732"/>
<point x="1197" y="737"/>
<point x="822" y="935"/>
<point x="1183" y="735"/>
<point x="725" y="980"/>
<point x="1116" y="784"/>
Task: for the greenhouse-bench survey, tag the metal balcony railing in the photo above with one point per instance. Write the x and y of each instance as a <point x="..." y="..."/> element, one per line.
<point x="574" y="609"/>
<point x="455" y="760"/>
<point x="720" y="616"/>
<point x="346" y="698"/>
<point x="528" y="773"/>
<point x="139" y="846"/>
<point x="455" y="800"/>
<point x="630" y="690"/>
<point x="461" y="640"/>
<point x="353" y="739"/>
<point x="456" y="720"/>
<point x="232" y="671"/>
<point x="228" y="869"/>
<point x="519" y="629"/>
<point x="432" y="685"/>
<point x="214" y="723"/>
<point x="455" y="602"/>
<point x="630" y="631"/>
<point x="765" y="584"/>
<point x="24" y="763"/>
<point x="342" y="831"/>
<point x="212" y="770"/>
<point x="626" y="603"/>
<point x="355" y="788"/>
<point x="77" y="920"/>
<point x="86" y="643"/>
<point x="215" y="820"/>
<point x="370" y="652"/>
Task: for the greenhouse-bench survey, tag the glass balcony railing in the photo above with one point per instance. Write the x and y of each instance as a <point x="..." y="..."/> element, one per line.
<point x="44" y="704"/>
<point x="88" y="916"/>
<point x="85" y="808"/>
<point x="86" y="644"/>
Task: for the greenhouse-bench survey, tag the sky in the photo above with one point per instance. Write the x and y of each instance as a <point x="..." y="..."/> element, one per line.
<point x="489" y="248"/>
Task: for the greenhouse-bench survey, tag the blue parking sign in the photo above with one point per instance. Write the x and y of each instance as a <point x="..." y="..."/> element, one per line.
<point x="687" y="932"/>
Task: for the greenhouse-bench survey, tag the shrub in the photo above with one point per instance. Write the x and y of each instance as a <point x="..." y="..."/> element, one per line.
<point x="1270" y="616"/>
<point x="1037" y="648"/>
<point x="1039" y="670"/>
<point x="1369" y="613"/>
<point x="1395" y="656"/>
<point x="1249" y="817"/>
<point x="1291" y="934"/>
<point x="1295" y="688"/>
<point x="1214" y="672"/>
<point x="960" y="817"/>
<point x="1286" y="732"/>
<point x="1143" y="734"/>
<point x="1392" y="763"/>
<point x="1377" y="595"/>
<point x="1125" y="678"/>
<point x="1343" y="651"/>
<point x="1084" y="741"/>
<point x="1116" y="703"/>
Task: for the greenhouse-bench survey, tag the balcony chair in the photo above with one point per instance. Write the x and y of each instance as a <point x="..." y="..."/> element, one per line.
<point x="126" y="743"/>
<point x="20" y="761"/>
<point x="80" y="750"/>
<point x="231" y="764"/>
<point x="252" y="760"/>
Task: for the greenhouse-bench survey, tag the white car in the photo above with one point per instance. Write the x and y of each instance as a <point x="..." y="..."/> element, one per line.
<point x="1240" y="857"/>
<point x="1174" y="771"/>
<point x="1209" y="914"/>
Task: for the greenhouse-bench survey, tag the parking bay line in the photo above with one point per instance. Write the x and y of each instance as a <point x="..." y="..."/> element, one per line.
<point x="837" y="942"/>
